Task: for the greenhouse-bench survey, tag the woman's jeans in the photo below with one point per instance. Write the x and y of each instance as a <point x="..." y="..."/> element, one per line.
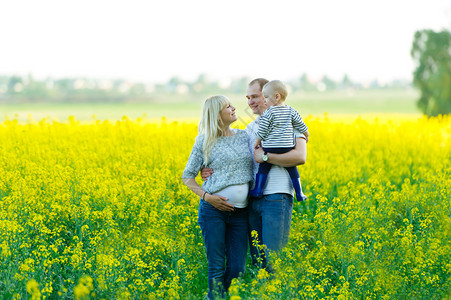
<point x="226" y="238"/>
<point x="270" y="217"/>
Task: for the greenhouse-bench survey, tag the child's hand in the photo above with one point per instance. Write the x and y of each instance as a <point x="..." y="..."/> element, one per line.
<point x="258" y="144"/>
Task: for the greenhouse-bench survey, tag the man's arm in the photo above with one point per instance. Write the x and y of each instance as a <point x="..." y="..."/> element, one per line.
<point x="205" y="173"/>
<point x="295" y="157"/>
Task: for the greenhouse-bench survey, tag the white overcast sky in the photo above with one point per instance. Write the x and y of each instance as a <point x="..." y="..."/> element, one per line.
<point x="152" y="40"/>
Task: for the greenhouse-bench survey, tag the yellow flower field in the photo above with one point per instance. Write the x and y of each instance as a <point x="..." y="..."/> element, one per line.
<point x="98" y="210"/>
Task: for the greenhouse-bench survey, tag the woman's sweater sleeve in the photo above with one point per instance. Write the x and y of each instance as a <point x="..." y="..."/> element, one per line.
<point x="195" y="160"/>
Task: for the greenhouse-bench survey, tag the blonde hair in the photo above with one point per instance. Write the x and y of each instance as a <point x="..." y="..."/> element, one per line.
<point x="277" y="86"/>
<point x="211" y="122"/>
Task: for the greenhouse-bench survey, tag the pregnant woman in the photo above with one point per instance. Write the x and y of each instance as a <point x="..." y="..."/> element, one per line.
<point x="223" y="215"/>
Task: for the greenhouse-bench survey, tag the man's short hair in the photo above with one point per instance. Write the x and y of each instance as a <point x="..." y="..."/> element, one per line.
<point x="261" y="82"/>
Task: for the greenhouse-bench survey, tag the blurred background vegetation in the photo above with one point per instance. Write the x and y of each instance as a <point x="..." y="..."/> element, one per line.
<point x="111" y="99"/>
<point x="429" y="92"/>
<point x="431" y="52"/>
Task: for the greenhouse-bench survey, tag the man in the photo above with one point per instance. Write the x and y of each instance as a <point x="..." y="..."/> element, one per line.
<point x="270" y="215"/>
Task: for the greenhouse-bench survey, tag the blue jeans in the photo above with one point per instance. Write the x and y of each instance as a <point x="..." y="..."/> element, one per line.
<point x="226" y="237"/>
<point x="270" y="216"/>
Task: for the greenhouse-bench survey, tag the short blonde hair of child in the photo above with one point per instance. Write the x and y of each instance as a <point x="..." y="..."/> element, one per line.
<point x="278" y="87"/>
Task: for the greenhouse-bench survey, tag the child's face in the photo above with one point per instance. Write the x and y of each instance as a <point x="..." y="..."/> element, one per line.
<point x="270" y="96"/>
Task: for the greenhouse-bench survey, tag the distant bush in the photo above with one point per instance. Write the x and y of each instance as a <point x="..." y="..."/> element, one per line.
<point x="431" y="52"/>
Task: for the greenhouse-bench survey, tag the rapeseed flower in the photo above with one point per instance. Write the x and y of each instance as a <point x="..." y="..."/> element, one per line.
<point x="105" y="199"/>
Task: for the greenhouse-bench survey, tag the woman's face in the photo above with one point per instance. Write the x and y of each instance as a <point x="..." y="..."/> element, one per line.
<point x="228" y="114"/>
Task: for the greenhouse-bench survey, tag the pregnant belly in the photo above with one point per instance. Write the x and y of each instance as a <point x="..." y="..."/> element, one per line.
<point x="237" y="194"/>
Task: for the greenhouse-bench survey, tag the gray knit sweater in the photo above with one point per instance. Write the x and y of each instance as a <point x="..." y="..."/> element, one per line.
<point x="230" y="159"/>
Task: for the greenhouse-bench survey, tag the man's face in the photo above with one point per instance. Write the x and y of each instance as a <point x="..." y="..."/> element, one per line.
<point x="255" y="99"/>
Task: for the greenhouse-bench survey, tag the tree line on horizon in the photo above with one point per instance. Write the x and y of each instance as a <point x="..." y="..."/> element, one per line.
<point x="431" y="52"/>
<point x="17" y="89"/>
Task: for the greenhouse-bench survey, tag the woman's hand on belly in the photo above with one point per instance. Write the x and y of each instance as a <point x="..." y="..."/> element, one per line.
<point x="219" y="202"/>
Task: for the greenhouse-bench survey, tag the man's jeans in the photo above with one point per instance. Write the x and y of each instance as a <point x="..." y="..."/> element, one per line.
<point x="270" y="217"/>
<point x="226" y="238"/>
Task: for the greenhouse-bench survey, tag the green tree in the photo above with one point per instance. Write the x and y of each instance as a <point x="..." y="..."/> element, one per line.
<point x="239" y="85"/>
<point x="346" y="82"/>
<point x="329" y="83"/>
<point x="431" y="52"/>
<point x="305" y="84"/>
<point x="173" y="83"/>
<point x="15" y="84"/>
<point x="35" y="90"/>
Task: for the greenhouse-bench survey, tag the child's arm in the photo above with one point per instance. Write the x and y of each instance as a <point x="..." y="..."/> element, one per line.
<point x="264" y="124"/>
<point x="298" y="123"/>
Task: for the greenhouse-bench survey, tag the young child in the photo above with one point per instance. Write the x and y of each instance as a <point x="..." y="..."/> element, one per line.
<point x="276" y="135"/>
